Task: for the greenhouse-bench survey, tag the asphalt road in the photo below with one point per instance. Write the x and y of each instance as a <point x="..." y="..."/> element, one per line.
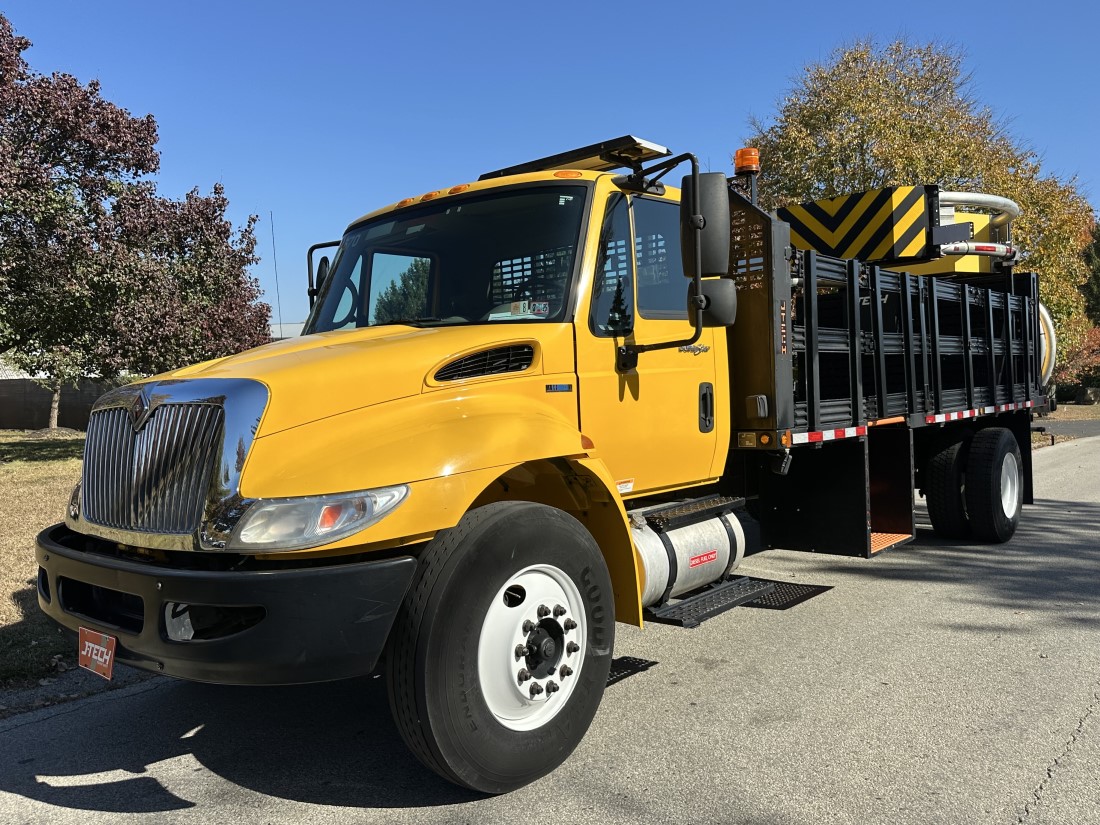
<point x="934" y="684"/>
<point x="1080" y="428"/>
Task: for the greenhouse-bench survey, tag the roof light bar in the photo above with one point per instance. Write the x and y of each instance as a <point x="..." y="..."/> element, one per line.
<point x="626" y="152"/>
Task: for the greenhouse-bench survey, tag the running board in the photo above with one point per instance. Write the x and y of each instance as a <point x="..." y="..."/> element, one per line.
<point x="695" y="609"/>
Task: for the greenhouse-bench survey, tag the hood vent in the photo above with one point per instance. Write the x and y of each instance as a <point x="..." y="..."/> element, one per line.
<point x="494" y="361"/>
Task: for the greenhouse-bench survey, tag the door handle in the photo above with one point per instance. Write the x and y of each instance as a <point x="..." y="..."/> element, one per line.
<point x="706" y="407"/>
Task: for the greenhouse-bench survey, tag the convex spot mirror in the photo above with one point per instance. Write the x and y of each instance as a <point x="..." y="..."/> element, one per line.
<point x="322" y="271"/>
<point x="720" y="295"/>
<point x="714" y="206"/>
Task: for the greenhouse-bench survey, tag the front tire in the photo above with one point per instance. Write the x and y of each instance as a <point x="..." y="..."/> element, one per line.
<point x="994" y="485"/>
<point x="500" y="654"/>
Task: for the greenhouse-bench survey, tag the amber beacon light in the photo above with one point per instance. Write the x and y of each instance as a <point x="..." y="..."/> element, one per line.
<point x="746" y="160"/>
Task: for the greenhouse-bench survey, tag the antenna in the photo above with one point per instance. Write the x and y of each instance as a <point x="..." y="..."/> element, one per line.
<point x="275" y="260"/>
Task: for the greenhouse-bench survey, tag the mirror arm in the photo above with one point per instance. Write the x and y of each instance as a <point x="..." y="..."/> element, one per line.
<point x="627" y="355"/>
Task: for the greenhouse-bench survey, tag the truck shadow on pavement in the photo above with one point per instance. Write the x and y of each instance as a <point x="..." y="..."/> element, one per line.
<point x="154" y="749"/>
<point x="1048" y="569"/>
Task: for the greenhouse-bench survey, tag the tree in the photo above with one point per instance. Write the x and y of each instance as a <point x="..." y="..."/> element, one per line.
<point x="98" y="274"/>
<point x="64" y="150"/>
<point x="1091" y="287"/>
<point x="406" y="296"/>
<point x="179" y="278"/>
<point x="902" y="114"/>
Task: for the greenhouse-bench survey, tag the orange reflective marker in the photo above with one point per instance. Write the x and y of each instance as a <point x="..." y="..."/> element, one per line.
<point x="330" y="514"/>
<point x="567" y="173"/>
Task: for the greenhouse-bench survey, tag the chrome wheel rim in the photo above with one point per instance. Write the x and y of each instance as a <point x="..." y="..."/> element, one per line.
<point x="532" y="645"/>
<point x="1010" y="486"/>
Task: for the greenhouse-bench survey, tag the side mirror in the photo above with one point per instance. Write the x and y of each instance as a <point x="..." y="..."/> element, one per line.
<point x="714" y="209"/>
<point x="322" y="269"/>
<point x="720" y="309"/>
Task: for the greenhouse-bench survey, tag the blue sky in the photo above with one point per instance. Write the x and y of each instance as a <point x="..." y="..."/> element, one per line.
<point x="315" y="113"/>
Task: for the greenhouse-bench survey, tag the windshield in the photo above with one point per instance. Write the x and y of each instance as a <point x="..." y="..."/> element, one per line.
<point x="502" y="257"/>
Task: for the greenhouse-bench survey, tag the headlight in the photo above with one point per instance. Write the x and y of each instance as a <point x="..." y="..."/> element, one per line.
<point x="298" y="523"/>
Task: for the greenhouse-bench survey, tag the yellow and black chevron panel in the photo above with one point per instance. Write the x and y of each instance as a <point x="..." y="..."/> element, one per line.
<point x="891" y="225"/>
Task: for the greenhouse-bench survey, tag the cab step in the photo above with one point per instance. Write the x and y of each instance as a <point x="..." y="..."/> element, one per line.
<point x="693" y="610"/>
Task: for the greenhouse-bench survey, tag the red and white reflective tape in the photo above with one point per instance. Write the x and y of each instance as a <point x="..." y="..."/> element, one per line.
<point x="956" y="416"/>
<point x="827" y="435"/>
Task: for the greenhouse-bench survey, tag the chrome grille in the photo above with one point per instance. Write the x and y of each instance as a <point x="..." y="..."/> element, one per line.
<point x="155" y="480"/>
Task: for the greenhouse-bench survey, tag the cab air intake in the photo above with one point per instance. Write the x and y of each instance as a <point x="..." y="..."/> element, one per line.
<point x="496" y="361"/>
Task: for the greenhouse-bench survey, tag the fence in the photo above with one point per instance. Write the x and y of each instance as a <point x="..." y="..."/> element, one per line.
<point x="24" y="405"/>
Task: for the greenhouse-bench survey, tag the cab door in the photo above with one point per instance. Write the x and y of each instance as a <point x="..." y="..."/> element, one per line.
<point x="654" y="427"/>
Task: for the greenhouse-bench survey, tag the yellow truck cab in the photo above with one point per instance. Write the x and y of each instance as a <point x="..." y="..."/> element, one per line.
<point x="525" y="408"/>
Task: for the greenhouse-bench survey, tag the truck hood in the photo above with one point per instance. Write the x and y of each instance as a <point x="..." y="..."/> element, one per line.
<point x="318" y="376"/>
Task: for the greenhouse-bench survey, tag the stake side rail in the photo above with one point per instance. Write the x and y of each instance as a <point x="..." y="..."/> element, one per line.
<point x="871" y="346"/>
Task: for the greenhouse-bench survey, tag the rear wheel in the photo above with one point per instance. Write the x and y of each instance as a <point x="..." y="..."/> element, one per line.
<point x="994" y="485"/>
<point x="946" y="507"/>
<point x="499" y="657"/>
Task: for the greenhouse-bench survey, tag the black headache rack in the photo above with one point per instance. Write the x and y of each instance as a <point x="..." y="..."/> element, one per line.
<point x="866" y="367"/>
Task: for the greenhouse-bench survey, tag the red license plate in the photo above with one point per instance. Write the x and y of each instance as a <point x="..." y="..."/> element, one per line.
<point x="96" y="652"/>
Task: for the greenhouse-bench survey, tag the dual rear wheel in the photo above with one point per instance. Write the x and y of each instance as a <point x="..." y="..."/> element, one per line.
<point x="975" y="488"/>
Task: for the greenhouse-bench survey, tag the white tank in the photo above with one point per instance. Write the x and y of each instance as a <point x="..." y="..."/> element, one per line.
<point x="703" y="553"/>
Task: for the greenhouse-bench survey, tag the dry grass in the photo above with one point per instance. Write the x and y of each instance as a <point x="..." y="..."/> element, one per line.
<point x="1076" y="412"/>
<point x="36" y="477"/>
<point x="1048" y="439"/>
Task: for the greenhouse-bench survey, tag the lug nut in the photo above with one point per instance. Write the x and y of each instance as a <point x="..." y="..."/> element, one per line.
<point x="551" y="687"/>
<point x="565" y="671"/>
<point x="572" y="647"/>
<point x="521" y="651"/>
<point x="559" y="611"/>
<point x="536" y="689"/>
<point x="528" y="626"/>
<point x="570" y="624"/>
<point x="543" y="611"/>
<point x="523" y="675"/>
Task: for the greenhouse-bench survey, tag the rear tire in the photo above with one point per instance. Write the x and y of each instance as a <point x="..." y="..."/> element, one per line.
<point x="994" y="485"/>
<point x="946" y="507"/>
<point x="460" y="684"/>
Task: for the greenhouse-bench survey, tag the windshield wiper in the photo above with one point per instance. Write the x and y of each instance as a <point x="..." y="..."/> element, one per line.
<point x="411" y="322"/>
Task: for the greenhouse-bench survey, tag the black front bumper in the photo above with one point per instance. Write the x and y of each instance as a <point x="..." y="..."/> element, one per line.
<point x="275" y="627"/>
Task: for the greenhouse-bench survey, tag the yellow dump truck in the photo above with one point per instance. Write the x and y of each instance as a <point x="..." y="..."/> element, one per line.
<point x="528" y="407"/>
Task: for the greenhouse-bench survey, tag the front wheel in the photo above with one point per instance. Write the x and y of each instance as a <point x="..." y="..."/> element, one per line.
<point x="499" y="656"/>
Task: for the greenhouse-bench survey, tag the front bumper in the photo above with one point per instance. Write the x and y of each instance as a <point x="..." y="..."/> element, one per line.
<point x="255" y="627"/>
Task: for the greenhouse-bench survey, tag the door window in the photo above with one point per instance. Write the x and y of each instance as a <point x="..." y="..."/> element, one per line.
<point x="662" y="287"/>
<point x="612" y="312"/>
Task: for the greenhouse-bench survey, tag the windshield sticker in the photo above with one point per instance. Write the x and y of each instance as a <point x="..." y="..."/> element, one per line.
<point x="521" y="307"/>
<point x="625" y="486"/>
<point x="540" y="308"/>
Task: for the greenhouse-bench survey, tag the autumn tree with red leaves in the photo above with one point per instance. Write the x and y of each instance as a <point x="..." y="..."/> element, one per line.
<point x="99" y="275"/>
